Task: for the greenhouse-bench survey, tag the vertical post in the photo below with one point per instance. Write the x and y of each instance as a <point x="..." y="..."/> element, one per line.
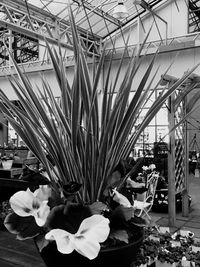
<point x="10" y="46"/>
<point x="3" y="130"/>
<point x="171" y="165"/>
<point x="138" y="33"/>
<point x="185" y="200"/>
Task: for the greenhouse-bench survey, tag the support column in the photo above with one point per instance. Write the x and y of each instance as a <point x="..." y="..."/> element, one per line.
<point x="171" y="165"/>
<point x="3" y="130"/>
<point x="10" y="47"/>
<point x="185" y="200"/>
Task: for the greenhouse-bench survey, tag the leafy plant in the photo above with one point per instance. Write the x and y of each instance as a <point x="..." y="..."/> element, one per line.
<point x="81" y="142"/>
<point x="4" y="210"/>
<point x="84" y="139"/>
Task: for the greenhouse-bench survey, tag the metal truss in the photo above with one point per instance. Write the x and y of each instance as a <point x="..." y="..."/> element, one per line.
<point x="99" y="11"/>
<point x="24" y="28"/>
<point x="30" y="26"/>
<point x="194" y="15"/>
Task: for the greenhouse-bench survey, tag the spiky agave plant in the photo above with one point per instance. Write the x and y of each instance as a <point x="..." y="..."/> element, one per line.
<point x="84" y="138"/>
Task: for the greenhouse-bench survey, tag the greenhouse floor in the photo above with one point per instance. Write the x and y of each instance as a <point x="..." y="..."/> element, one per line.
<point x="24" y="253"/>
<point x="191" y="222"/>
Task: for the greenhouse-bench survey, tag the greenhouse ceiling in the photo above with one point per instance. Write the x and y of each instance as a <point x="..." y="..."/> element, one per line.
<point x="94" y="18"/>
<point x="49" y="19"/>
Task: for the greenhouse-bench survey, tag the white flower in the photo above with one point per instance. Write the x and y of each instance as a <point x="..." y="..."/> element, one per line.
<point x="27" y="203"/>
<point x="43" y="192"/>
<point x="132" y="184"/>
<point x="152" y="167"/>
<point x="92" y="231"/>
<point x="145" y="168"/>
<point x="121" y="199"/>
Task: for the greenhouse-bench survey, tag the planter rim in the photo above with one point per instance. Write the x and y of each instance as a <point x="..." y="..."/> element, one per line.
<point x="123" y="246"/>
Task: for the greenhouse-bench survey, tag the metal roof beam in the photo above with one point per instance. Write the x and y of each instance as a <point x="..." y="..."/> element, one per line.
<point x="144" y="5"/>
<point x="32" y="34"/>
<point x="40" y="14"/>
<point x="16" y="19"/>
<point x="99" y="12"/>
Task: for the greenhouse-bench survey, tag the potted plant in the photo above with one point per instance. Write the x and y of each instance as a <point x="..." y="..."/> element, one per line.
<point x="4" y="211"/>
<point x="140" y="261"/>
<point x="79" y="215"/>
<point x="187" y="262"/>
<point x="150" y="249"/>
<point x="195" y="246"/>
<point x="166" y="258"/>
<point x="190" y="259"/>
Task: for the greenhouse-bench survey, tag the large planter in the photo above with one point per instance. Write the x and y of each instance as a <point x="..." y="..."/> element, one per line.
<point x="118" y="256"/>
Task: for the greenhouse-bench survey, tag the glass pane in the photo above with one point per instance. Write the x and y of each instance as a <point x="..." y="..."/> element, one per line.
<point x="151" y="134"/>
<point x="162" y="117"/>
<point x="153" y="122"/>
<point x="162" y="131"/>
<point x="12" y="136"/>
<point x="142" y="116"/>
<point x="14" y="139"/>
<point x="150" y="100"/>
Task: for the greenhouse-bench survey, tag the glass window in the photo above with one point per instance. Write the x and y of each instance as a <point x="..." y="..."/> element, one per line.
<point x="162" y="117"/>
<point x="163" y="132"/>
<point x="24" y="49"/>
<point x="150" y="100"/>
<point x="193" y="18"/>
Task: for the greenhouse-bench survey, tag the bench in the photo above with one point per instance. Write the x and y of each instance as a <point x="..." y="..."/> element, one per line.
<point x="11" y="182"/>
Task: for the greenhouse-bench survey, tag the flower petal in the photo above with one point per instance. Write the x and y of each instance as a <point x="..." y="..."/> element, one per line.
<point x="63" y="240"/>
<point x="21" y="203"/>
<point x="132" y="184"/>
<point x="95" y="227"/>
<point x="92" y="231"/>
<point x="121" y="199"/>
<point x="43" y="192"/>
<point x="23" y="227"/>
<point x="42" y="213"/>
<point x="87" y="247"/>
<point x="145" y="168"/>
<point x="152" y="167"/>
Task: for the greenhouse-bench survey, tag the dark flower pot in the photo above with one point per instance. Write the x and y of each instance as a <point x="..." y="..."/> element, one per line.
<point x="121" y="256"/>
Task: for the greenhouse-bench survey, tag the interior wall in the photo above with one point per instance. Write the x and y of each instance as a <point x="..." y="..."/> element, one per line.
<point x="36" y="81"/>
<point x="181" y="61"/>
<point x="44" y="55"/>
